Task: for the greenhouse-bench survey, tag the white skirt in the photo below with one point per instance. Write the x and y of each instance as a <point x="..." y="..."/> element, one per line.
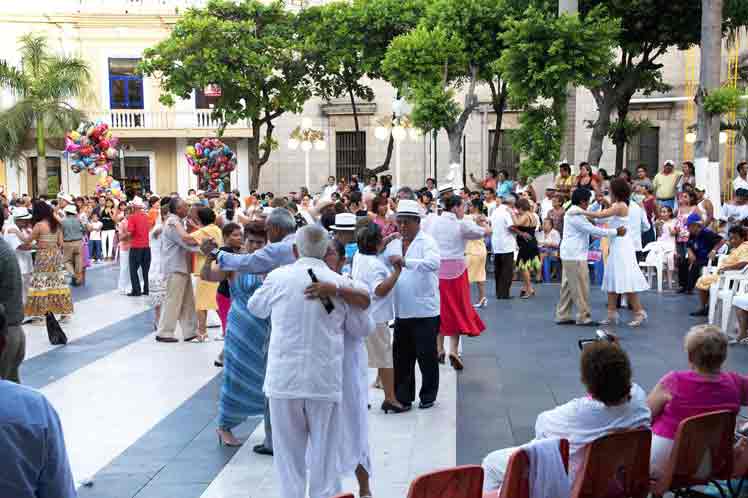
<point x="622" y="273"/>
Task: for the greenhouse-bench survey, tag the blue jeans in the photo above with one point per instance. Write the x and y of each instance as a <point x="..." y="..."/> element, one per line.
<point x="94" y="249"/>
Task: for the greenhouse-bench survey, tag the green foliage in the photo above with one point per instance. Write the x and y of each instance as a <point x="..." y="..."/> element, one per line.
<point x="44" y="83"/>
<point x="545" y="53"/>
<point x="426" y="61"/>
<point x="539" y="139"/>
<point x="381" y="21"/>
<point x="333" y="38"/>
<point x="623" y="131"/>
<point x="249" y="49"/>
<point x="724" y="100"/>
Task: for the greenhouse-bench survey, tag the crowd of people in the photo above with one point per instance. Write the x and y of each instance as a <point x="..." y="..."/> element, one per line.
<point x="311" y="288"/>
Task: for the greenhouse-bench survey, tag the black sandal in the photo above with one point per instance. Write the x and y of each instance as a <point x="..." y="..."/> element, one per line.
<point x="456" y="362"/>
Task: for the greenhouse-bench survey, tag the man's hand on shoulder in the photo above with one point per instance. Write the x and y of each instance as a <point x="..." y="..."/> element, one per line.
<point x="207" y="246"/>
<point x="621" y="231"/>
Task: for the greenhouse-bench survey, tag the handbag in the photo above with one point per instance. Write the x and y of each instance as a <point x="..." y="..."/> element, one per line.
<point x="54" y="331"/>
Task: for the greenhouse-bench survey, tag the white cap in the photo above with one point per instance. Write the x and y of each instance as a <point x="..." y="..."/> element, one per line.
<point x="137" y="202"/>
<point x="71" y="209"/>
<point x="20" y="213"/>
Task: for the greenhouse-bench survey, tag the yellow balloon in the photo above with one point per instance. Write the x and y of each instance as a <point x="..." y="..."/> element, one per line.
<point x="115" y="192"/>
<point x="75" y="135"/>
<point x="191" y="151"/>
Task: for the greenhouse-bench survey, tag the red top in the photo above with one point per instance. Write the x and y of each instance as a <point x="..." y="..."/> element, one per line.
<point x="139" y="226"/>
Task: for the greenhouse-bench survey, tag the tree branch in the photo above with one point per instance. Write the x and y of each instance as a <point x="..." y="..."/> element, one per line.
<point x="268" y="140"/>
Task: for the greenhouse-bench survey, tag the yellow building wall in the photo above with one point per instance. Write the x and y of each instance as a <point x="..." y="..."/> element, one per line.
<point x="3" y="177"/>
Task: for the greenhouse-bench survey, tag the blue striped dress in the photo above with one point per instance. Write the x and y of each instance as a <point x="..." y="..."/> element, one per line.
<point x="243" y="357"/>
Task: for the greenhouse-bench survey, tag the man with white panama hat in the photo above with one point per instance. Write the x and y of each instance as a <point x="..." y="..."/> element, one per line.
<point x="72" y="245"/>
<point x="344" y="230"/>
<point x="416" y="310"/>
<point x="17" y="228"/>
<point x="139" y="226"/>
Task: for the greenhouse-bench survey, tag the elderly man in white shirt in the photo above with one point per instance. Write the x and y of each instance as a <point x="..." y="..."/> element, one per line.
<point x="503" y="245"/>
<point x="305" y="366"/>
<point x="416" y="310"/>
<point x="575" y="243"/>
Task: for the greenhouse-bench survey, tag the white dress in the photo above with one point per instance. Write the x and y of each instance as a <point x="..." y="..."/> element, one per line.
<point x="622" y="272"/>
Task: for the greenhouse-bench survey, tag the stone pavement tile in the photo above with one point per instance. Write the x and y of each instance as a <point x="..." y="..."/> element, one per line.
<point x="169" y="490"/>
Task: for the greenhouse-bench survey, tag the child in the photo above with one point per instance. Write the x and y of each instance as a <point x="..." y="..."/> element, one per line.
<point x="549" y="241"/>
<point x="667" y="230"/>
<point x="94" y="237"/>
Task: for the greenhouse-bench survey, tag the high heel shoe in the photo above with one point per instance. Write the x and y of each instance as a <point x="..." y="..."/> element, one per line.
<point x="388" y="407"/>
<point x="641" y="317"/>
<point x="223" y="442"/>
<point x="611" y="320"/>
<point x="527" y="295"/>
<point x="481" y="304"/>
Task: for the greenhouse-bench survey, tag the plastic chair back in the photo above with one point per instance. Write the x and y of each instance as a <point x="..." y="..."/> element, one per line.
<point x="516" y="483"/>
<point x="458" y="482"/>
<point x="702" y="452"/>
<point x="615" y="466"/>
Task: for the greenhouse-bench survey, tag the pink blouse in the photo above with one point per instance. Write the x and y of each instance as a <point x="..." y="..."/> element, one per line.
<point x="694" y="394"/>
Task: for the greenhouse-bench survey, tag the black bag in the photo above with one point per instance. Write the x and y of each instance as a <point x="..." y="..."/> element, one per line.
<point x="54" y="331"/>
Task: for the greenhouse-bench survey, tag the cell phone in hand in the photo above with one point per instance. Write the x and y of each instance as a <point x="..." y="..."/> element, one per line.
<point x="326" y="301"/>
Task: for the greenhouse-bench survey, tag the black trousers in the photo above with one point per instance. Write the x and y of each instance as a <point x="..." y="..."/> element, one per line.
<point x="139" y="258"/>
<point x="503" y="271"/>
<point x="415" y="340"/>
<point x="688" y="274"/>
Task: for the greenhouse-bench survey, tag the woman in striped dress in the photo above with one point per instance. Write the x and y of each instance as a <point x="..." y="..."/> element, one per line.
<point x="243" y="350"/>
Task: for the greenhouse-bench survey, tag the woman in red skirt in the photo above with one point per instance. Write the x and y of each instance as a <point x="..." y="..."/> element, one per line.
<point x="458" y="317"/>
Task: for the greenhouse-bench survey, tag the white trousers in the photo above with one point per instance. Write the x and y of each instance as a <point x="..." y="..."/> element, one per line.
<point x="301" y="425"/>
<point x="124" y="284"/>
<point x="107" y="243"/>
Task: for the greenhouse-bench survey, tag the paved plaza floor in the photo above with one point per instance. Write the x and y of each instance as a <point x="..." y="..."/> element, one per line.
<point x="139" y="416"/>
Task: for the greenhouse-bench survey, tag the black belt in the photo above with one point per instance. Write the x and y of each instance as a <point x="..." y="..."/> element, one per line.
<point x="76" y="240"/>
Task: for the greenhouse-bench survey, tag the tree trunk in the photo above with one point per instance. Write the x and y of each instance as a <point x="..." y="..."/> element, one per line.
<point x="42" y="182"/>
<point x="354" y="109"/>
<point x="455" y="145"/>
<point x="600" y="129"/>
<point x="707" y="138"/>
<point x="254" y="162"/>
<point x="498" y="102"/>
<point x="619" y="156"/>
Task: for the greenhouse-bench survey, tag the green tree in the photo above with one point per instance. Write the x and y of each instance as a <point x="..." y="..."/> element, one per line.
<point x="649" y="28"/>
<point x="543" y="55"/>
<point x="44" y="83"/>
<point x="453" y="49"/>
<point x="252" y="52"/>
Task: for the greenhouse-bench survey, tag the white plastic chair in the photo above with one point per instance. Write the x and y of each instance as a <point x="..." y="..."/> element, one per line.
<point x="722" y="294"/>
<point x="655" y="260"/>
<point x="715" y="288"/>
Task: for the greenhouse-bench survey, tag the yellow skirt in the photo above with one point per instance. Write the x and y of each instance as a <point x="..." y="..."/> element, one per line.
<point x="475" y="260"/>
<point x="205" y="295"/>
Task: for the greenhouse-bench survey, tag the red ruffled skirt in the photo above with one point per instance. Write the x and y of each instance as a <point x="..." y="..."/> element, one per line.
<point x="458" y="317"/>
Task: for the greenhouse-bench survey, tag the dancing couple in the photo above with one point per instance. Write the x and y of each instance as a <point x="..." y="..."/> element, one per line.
<point x="622" y="273"/>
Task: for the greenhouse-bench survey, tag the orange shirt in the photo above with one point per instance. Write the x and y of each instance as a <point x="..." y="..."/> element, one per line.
<point x="153" y="215"/>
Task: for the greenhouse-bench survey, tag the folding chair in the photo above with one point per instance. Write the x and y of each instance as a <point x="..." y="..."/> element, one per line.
<point x="516" y="483"/>
<point x="702" y="454"/>
<point x="655" y="260"/>
<point x="615" y="466"/>
<point x="458" y="482"/>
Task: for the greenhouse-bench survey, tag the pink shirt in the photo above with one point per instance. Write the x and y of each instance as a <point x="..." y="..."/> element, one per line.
<point x="122" y="228"/>
<point x="694" y="394"/>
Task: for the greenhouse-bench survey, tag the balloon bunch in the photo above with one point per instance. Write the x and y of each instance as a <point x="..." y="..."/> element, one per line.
<point x="108" y="185"/>
<point x="91" y="147"/>
<point x="212" y="161"/>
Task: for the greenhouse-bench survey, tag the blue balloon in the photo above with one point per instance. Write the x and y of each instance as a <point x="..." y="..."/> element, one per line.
<point x="206" y="152"/>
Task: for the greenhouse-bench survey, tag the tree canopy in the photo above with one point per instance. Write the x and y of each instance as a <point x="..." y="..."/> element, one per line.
<point x="544" y="54"/>
<point x="251" y="51"/>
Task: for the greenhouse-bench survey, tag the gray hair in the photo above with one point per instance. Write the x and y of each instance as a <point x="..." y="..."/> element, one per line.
<point x="312" y="241"/>
<point x="282" y="219"/>
<point x="407" y="193"/>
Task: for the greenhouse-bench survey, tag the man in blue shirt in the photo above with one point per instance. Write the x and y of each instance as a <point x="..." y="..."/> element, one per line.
<point x="34" y="460"/>
<point x="703" y="245"/>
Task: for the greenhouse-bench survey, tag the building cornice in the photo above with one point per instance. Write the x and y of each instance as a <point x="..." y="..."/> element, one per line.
<point x="95" y="20"/>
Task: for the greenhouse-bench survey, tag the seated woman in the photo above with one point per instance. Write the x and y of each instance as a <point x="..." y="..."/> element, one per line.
<point x="612" y="403"/>
<point x="735" y="260"/>
<point x="701" y="389"/>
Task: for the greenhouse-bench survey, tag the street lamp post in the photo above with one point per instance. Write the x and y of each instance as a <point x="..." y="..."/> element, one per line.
<point x="307" y="138"/>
